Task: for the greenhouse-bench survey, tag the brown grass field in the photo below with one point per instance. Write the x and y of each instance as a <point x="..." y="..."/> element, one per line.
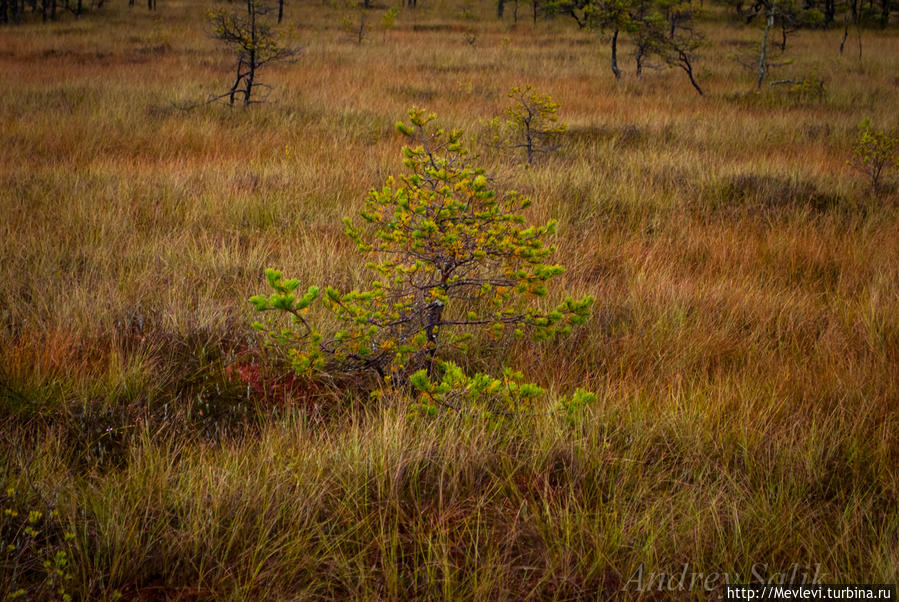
<point x="744" y="343"/>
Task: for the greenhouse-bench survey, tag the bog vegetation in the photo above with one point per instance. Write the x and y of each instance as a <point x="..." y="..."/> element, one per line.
<point x="454" y="256"/>
<point x="445" y="412"/>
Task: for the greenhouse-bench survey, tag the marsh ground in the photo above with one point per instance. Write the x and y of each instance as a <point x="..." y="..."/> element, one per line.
<point x="744" y="345"/>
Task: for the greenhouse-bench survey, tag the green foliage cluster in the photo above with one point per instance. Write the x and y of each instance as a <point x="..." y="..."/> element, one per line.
<point x="34" y="563"/>
<point x="249" y="35"/>
<point x="875" y="152"/>
<point x="450" y="256"/>
<point x="808" y="89"/>
<point x="792" y="15"/>
<point x="491" y="396"/>
<point x="388" y="19"/>
<point x="531" y="123"/>
<point x="482" y="392"/>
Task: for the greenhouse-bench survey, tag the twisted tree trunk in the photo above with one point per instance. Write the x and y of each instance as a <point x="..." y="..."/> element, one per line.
<point x="763" y="54"/>
<point x="615" y="68"/>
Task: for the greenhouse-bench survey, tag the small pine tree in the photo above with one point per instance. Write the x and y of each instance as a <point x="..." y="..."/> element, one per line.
<point x="357" y="29"/>
<point x="450" y="256"/>
<point x="388" y="20"/>
<point x="531" y="123"/>
<point x="875" y="152"/>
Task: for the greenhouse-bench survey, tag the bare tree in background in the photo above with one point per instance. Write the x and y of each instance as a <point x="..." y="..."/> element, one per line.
<point x="680" y="47"/>
<point x="255" y="46"/>
<point x="601" y="15"/>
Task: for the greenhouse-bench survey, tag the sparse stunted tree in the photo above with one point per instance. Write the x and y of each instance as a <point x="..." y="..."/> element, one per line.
<point x="531" y="124"/>
<point x="769" y="9"/>
<point x="601" y="15"/>
<point x="255" y="46"/>
<point x="662" y="28"/>
<point x="450" y="256"/>
<point x="789" y="17"/>
<point x="680" y="46"/>
<point x="650" y="30"/>
<point x="357" y="29"/>
<point x="875" y="153"/>
<point x="388" y="21"/>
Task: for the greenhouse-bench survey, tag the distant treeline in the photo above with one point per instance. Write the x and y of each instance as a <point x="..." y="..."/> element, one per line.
<point x="799" y="13"/>
<point x="17" y="11"/>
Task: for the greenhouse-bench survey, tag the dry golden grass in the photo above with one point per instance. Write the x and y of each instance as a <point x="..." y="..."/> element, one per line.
<point x="744" y="345"/>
